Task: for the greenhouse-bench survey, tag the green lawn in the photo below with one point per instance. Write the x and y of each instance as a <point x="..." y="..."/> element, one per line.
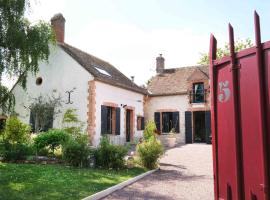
<point x="28" y="181"/>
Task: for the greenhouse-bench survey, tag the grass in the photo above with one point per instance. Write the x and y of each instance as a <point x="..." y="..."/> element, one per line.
<point x="29" y="181"/>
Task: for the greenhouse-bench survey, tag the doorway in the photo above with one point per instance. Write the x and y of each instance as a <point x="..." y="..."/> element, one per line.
<point x="199" y="126"/>
<point x="128" y="125"/>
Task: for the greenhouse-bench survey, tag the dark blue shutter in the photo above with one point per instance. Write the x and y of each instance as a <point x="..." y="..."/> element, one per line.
<point x="208" y="126"/>
<point x="49" y="122"/>
<point x="118" y="119"/>
<point x="176" y="121"/>
<point x="188" y="126"/>
<point x="32" y="121"/>
<point x="2" y="124"/>
<point x="104" y="111"/>
<point x="142" y="123"/>
<point x="157" y="120"/>
<point x="166" y="122"/>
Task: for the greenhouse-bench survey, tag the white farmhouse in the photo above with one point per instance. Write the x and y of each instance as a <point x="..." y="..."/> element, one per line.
<point x="105" y="99"/>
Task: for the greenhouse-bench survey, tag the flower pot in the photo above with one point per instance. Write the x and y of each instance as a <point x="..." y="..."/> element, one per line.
<point x="171" y="141"/>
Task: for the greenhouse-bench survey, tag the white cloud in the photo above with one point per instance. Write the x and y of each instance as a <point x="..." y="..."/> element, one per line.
<point x="133" y="50"/>
<point x="128" y="47"/>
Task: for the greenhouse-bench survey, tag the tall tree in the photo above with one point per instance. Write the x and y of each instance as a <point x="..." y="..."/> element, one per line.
<point x="239" y="45"/>
<point x="22" y="46"/>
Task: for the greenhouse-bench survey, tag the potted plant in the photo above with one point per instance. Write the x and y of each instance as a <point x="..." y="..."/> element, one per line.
<point x="171" y="138"/>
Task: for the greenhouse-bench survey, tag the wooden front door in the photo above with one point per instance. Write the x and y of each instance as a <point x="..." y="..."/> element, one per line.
<point x="128" y="125"/>
<point x="199" y="126"/>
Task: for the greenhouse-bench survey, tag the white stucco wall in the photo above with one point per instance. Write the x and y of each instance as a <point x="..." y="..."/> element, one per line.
<point x="109" y="93"/>
<point x="177" y="102"/>
<point x="60" y="74"/>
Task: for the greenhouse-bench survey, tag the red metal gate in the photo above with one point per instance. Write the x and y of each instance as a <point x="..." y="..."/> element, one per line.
<point x="240" y="119"/>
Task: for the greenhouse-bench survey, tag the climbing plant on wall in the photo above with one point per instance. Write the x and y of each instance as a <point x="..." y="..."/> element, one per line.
<point x="43" y="111"/>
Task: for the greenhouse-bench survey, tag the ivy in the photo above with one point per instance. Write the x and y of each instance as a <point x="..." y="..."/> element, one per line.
<point x="44" y="110"/>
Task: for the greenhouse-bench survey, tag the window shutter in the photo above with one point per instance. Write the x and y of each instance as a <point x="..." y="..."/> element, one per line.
<point x="32" y="121"/>
<point x="208" y="126"/>
<point x="49" y="122"/>
<point x="118" y="119"/>
<point x="157" y="120"/>
<point x="188" y="126"/>
<point x="2" y="124"/>
<point x="142" y="123"/>
<point x="104" y="111"/>
<point x="176" y="121"/>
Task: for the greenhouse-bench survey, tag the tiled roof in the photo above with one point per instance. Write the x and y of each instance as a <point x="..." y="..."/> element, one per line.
<point x="173" y="81"/>
<point x="101" y="70"/>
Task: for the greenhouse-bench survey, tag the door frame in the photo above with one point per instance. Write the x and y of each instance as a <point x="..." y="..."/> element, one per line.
<point x="131" y="110"/>
<point x="194" y="126"/>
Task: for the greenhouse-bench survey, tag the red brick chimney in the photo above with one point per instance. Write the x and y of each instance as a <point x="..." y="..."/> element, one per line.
<point x="58" y="25"/>
<point x="160" y="64"/>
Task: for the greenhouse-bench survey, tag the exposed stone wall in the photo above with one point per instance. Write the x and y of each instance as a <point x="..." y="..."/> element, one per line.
<point x="91" y="109"/>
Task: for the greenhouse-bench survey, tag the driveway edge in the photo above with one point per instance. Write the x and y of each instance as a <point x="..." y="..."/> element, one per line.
<point x="119" y="186"/>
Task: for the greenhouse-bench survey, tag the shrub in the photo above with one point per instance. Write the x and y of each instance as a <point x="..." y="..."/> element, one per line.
<point x="15" y="131"/>
<point x="150" y="149"/>
<point x="42" y="152"/>
<point x="109" y="155"/>
<point x="2" y="148"/>
<point x="77" y="153"/>
<point x="149" y="152"/>
<point x="149" y="130"/>
<point x="51" y="139"/>
<point x="15" y="152"/>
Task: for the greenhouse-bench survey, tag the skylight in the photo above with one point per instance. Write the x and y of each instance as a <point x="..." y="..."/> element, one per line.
<point x="102" y="71"/>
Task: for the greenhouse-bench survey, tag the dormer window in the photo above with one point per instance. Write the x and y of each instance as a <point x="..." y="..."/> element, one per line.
<point x="198" y="93"/>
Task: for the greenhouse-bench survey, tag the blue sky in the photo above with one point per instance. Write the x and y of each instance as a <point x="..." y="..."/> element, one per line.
<point x="131" y="33"/>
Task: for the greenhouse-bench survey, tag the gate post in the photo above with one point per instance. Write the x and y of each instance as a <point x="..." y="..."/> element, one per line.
<point x="212" y="72"/>
<point x="263" y="97"/>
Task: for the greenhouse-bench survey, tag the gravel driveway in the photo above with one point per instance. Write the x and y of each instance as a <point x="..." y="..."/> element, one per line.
<point x="186" y="174"/>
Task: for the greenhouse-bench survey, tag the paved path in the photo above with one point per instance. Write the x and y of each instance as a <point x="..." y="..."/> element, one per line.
<point x="186" y="174"/>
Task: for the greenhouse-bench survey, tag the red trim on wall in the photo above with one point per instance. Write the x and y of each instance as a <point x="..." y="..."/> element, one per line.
<point x="110" y="104"/>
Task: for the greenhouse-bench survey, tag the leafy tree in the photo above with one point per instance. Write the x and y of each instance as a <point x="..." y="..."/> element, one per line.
<point x="70" y="116"/>
<point x="71" y="123"/>
<point x="221" y="52"/>
<point x="22" y="46"/>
